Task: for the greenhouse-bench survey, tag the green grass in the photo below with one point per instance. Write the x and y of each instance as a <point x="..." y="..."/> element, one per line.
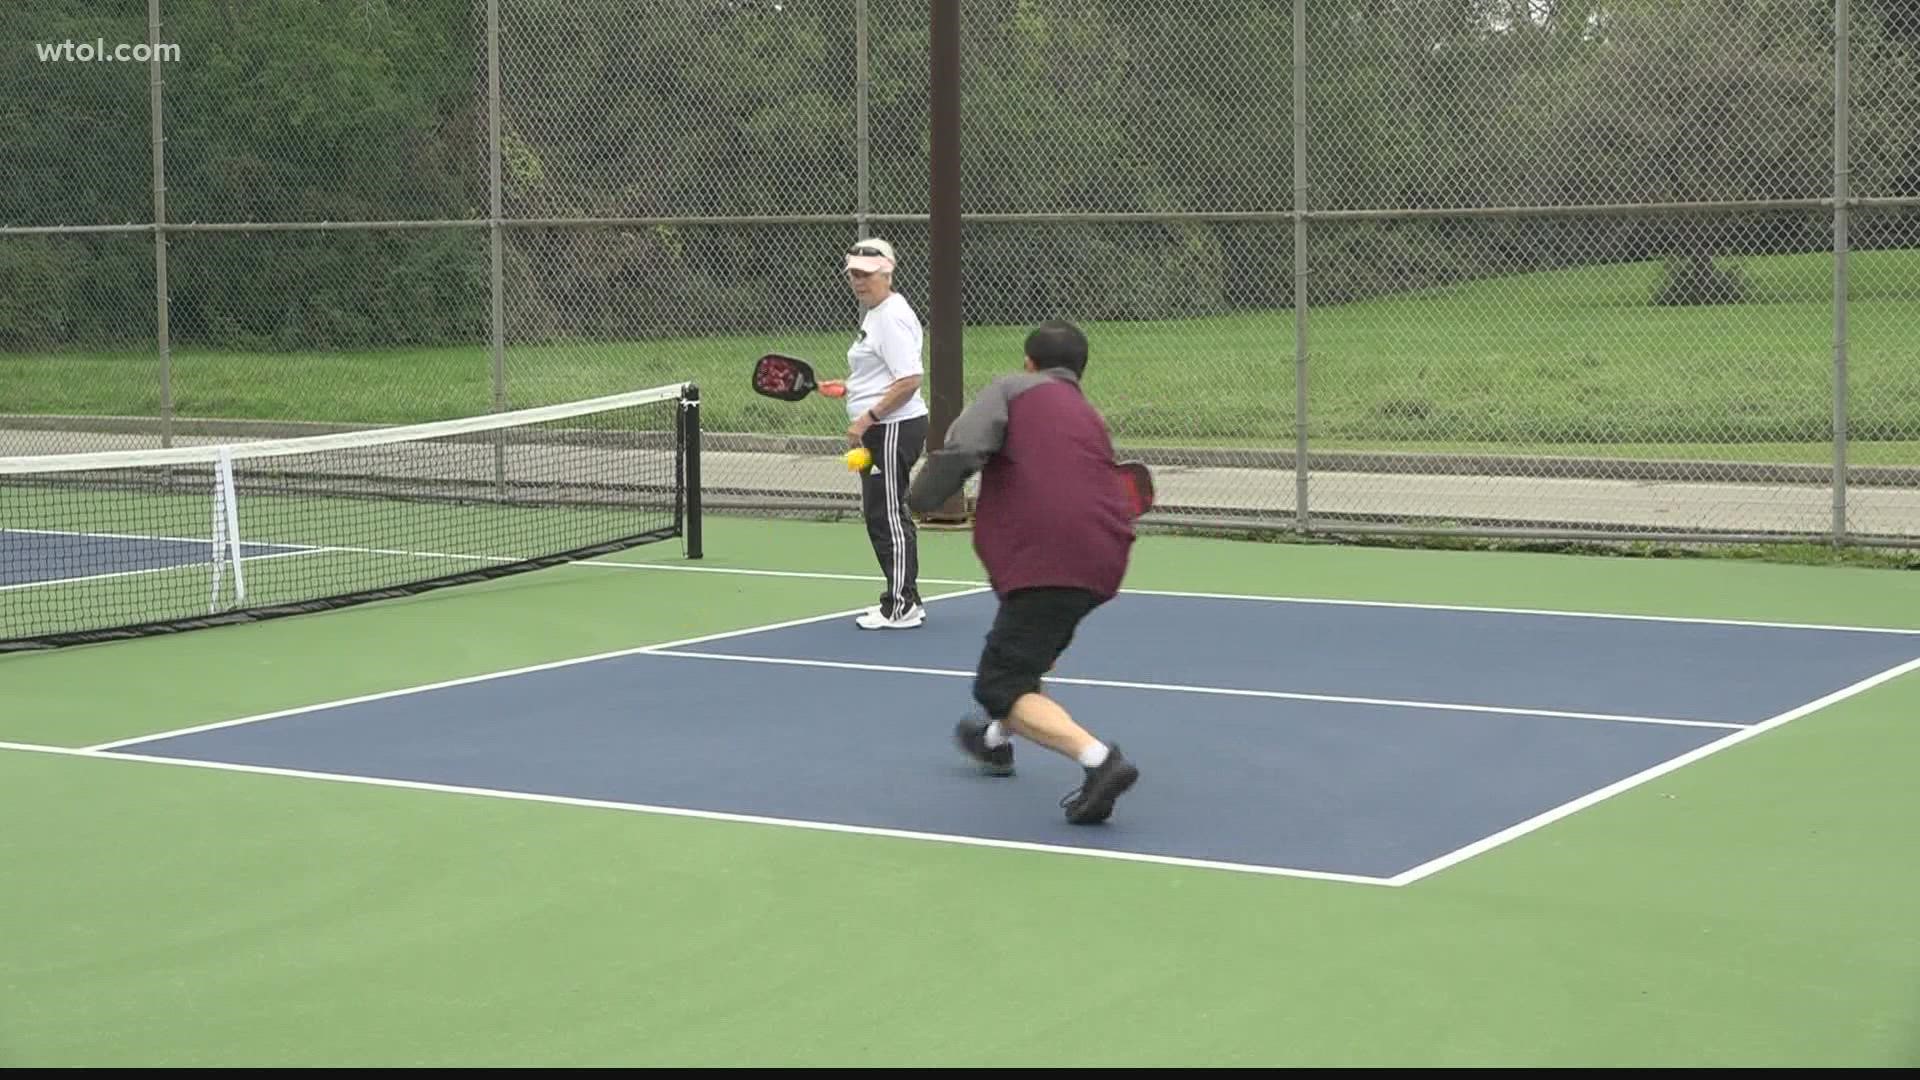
<point x="1751" y="909"/>
<point x="1568" y="362"/>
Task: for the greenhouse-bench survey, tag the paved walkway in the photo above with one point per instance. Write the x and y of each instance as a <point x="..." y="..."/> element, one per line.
<point x="1513" y="501"/>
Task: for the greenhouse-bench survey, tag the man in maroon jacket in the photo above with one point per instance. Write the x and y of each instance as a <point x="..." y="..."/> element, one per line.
<point x="1054" y="529"/>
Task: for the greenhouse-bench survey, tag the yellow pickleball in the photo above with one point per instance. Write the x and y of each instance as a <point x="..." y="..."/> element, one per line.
<point x="858" y="459"/>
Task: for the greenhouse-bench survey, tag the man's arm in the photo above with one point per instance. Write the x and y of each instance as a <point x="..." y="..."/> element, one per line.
<point x="974" y="437"/>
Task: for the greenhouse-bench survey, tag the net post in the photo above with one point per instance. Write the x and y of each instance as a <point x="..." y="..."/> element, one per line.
<point x="690" y="478"/>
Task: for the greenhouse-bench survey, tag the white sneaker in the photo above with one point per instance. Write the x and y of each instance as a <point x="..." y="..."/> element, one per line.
<point x="872" y="619"/>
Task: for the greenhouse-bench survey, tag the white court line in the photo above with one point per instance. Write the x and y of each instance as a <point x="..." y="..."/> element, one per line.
<point x="1309" y="600"/>
<point x="1178" y="593"/>
<point x="297" y="549"/>
<point x="484" y="677"/>
<point x="304" y="548"/>
<point x="108" y="751"/>
<point x="1529" y="611"/>
<point x="113" y="536"/>
<point x="707" y="815"/>
<point x="1404" y="878"/>
<point x="1285" y="695"/>
<point x="873" y="578"/>
<point x="201" y="540"/>
<point x="352" y="550"/>
<point x="155" y="569"/>
<point x="1481" y="846"/>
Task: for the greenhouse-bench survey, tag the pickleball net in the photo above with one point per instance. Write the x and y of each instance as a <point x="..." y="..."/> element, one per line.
<point x="100" y="546"/>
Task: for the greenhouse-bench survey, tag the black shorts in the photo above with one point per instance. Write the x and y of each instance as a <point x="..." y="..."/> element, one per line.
<point x="1032" y="629"/>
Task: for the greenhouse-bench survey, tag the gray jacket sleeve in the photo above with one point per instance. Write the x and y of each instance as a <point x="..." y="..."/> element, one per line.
<point x="975" y="436"/>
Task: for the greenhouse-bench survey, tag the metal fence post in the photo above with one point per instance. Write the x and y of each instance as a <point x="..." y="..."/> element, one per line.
<point x="1842" y="115"/>
<point x="158" y="137"/>
<point x="496" y="271"/>
<point x="1300" y="265"/>
<point x="862" y="139"/>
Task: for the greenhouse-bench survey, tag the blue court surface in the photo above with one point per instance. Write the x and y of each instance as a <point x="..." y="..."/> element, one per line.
<point x="35" y="557"/>
<point x="1365" y="742"/>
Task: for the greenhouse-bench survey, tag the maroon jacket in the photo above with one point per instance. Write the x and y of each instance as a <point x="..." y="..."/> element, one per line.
<point x="1052" y="510"/>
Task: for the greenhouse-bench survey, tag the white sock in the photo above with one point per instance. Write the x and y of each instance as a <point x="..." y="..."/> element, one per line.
<point x="1094" y="756"/>
<point x="997" y="735"/>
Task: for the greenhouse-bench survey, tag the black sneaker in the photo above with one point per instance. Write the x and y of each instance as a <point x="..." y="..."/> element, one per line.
<point x="1092" y="802"/>
<point x="971" y="734"/>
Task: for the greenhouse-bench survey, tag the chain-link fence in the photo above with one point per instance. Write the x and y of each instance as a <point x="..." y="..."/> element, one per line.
<point x="1518" y="267"/>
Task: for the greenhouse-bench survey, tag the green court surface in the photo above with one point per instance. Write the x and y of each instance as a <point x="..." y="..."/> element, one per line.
<point x="1751" y="908"/>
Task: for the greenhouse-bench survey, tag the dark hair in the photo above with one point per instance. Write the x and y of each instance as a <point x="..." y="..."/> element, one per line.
<point x="1058" y="344"/>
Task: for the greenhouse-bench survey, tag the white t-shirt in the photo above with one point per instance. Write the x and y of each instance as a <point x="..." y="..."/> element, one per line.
<point x="887" y="348"/>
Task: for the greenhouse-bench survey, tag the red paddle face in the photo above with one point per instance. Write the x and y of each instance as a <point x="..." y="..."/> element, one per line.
<point x="1138" y="483"/>
<point x="783" y="377"/>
